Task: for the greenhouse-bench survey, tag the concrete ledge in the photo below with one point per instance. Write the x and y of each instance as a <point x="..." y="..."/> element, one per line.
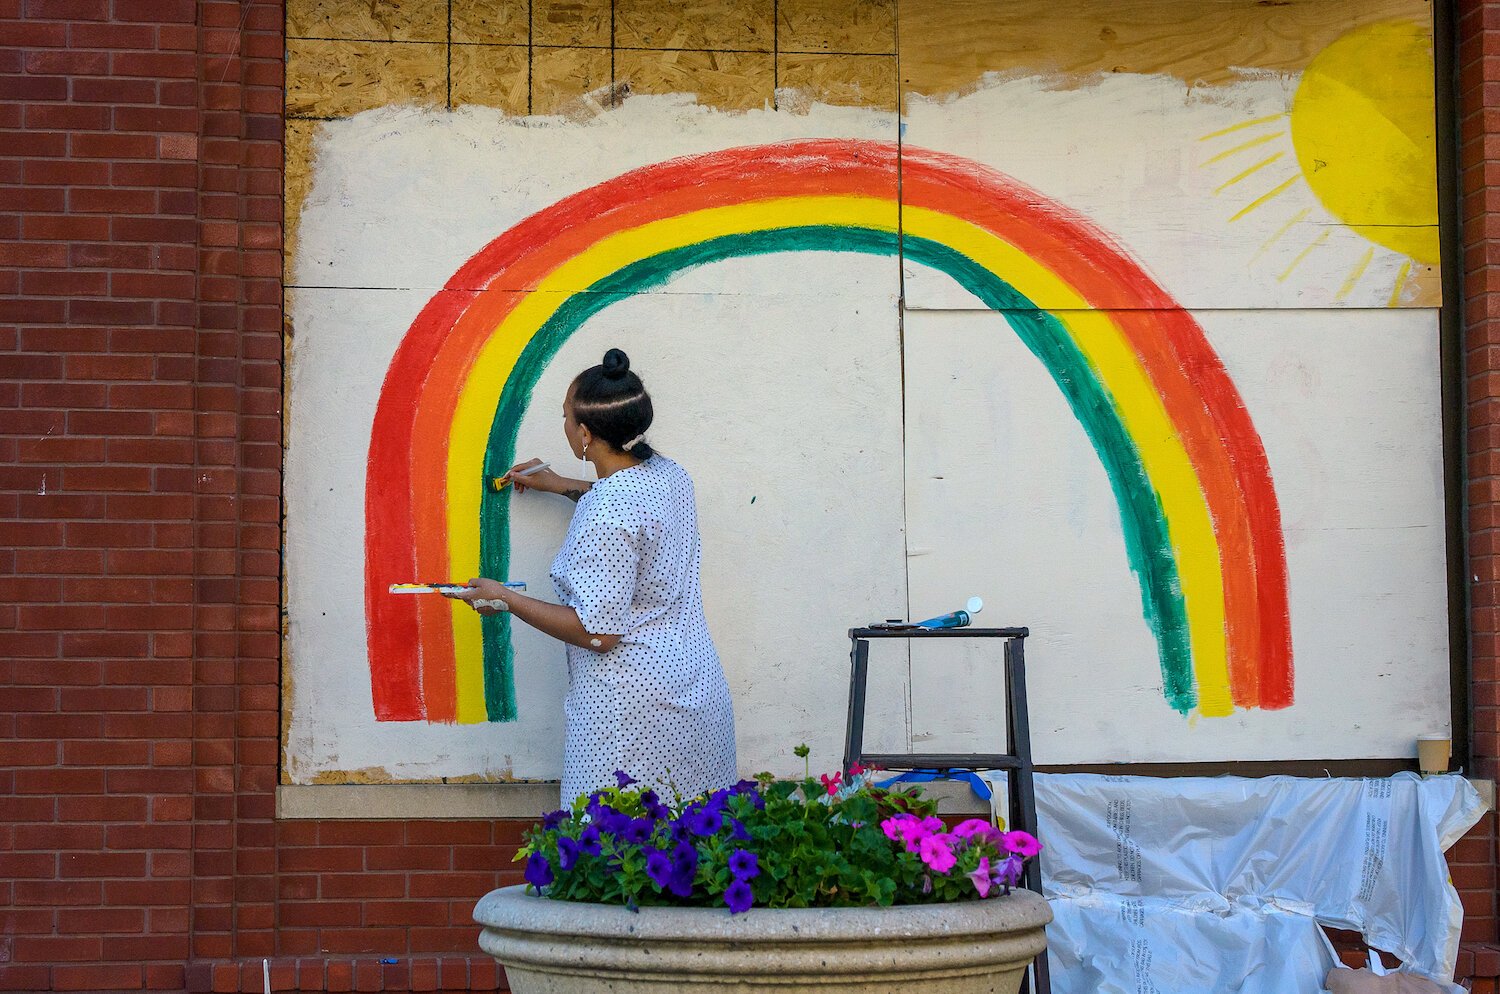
<point x="409" y="801"/>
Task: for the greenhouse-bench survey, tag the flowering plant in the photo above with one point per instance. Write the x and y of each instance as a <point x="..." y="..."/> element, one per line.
<point x="779" y="844"/>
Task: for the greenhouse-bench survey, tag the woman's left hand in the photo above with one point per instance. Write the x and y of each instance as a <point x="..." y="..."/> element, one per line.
<point x="484" y="589"/>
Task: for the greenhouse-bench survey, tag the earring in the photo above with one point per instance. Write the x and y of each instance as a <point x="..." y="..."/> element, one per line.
<point x="584" y="467"/>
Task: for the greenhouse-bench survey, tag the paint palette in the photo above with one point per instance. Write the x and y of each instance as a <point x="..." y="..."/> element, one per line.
<point x="446" y="588"/>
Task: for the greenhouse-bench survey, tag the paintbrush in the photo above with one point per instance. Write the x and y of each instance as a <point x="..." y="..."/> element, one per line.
<point x="499" y="483"/>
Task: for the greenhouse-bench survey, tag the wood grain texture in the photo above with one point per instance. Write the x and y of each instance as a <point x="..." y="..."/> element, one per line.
<point x="490" y="22"/>
<point x="340" y="78"/>
<point x="855" y="26"/>
<point x="297" y="181"/>
<point x="947" y="45"/>
<point x="570" y="22"/>
<point x="561" y="78"/>
<point x="695" y="24"/>
<point x="367" y="20"/>
<point x="490" y="75"/>
<point x="724" y="80"/>
<point x="841" y="80"/>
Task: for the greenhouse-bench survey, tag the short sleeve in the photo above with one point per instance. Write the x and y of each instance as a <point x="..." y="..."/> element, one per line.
<point x="599" y="578"/>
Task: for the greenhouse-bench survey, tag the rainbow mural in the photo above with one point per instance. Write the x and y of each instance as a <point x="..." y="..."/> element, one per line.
<point x="1198" y="509"/>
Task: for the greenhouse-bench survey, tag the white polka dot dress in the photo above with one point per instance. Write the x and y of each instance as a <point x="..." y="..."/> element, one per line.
<point x="656" y="705"/>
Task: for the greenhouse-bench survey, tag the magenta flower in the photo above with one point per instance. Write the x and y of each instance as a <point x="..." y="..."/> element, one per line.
<point x="1023" y="844"/>
<point x="936" y="851"/>
<point x="831" y="783"/>
<point x="972" y="826"/>
<point x="981" y="877"/>
<point x="907" y="829"/>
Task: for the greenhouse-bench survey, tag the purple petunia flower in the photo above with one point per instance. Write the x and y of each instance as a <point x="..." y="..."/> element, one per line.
<point x="653" y="806"/>
<point x="624" y="779"/>
<point x="717" y="800"/>
<point x="737" y="830"/>
<point x="611" y="821"/>
<point x="684" y="868"/>
<point x="1010" y="871"/>
<point x="703" y="821"/>
<point x="538" y="871"/>
<point x="588" y="841"/>
<point x="567" y="853"/>
<point x="552" y="819"/>
<point x="637" y="830"/>
<point x="739" y="897"/>
<point x="744" y="865"/>
<point x="659" y="867"/>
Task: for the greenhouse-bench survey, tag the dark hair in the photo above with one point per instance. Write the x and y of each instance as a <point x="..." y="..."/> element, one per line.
<point x="611" y="401"/>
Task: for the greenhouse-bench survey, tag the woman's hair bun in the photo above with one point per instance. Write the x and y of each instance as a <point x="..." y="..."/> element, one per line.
<point x="616" y="364"/>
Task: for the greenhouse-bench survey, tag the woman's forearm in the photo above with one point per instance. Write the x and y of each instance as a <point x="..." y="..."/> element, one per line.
<point x="575" y="489"/>
<point x="559" y="621"/>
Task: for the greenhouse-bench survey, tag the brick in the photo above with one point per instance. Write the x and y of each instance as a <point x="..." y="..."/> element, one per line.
<point x="116" y="976"/>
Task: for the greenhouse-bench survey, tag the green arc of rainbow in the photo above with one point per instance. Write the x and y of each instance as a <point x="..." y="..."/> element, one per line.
<point x="1190" y="479"/>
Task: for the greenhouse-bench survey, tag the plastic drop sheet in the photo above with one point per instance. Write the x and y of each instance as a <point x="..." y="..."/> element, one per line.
<point x="1198" y="884"/>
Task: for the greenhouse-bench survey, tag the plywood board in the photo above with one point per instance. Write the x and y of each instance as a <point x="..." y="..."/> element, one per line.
<point x="367" y="20"/>
<point x="840" y="80"/>
<point x="783" y="648"/>
<point x="341" y="78"/>
<point x="491" y="76"/>
<point x="1007" y="499"/>
<point x="947" y="46"/>
<point x="571" y="22"/>
<point x="297" y="180"/>
<point x="725" y="348"/>
<point x="1238" y="196"/>
<point x="491" y="22"/>
<point x="695" y="24"/>
<point x="563" y="78"/>
<point x="860" y="26"/>
<point x="723" y="80"/>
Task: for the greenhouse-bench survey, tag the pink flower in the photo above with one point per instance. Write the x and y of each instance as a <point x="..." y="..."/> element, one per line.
<point x="972" y="826"/>
<point x="981" y="877"/>
<point x="1023" y="844"/>
<point x="856" y="770"/>
<point x="937" y="852"/>
<point x="979" y="830"/>
<point x="893" y="827"/>
<point x="931" y="824"/>
<point x="831" y="783"/>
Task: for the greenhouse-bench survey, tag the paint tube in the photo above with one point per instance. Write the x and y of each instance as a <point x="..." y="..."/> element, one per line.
<point x="957" y="619"/>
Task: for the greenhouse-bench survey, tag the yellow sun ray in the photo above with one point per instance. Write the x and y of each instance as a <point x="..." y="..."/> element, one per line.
<point x="1263" y="163"/>
<point x="1241" y="126"/>
<point x="1355" y="274"/>
<point x="1279" y="232"/>
<point x="1242" y="146"/>
<point x="1401" y="276"/>
<point x="1322" y="237"/>
<point x="1275" y="191"/>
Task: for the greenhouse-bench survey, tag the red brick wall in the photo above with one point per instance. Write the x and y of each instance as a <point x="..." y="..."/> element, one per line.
<point x="140" y="347"/>
<point x="1478" y="68"/>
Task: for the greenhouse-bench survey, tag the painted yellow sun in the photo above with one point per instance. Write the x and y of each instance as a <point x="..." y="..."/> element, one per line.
<point x="1359" y="137"/>
<point x="1362" y="126"/>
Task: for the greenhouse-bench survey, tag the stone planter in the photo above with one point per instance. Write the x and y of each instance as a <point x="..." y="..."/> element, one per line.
<point x="563" y="947"/>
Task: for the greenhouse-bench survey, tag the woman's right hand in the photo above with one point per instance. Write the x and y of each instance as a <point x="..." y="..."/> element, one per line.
<point x="546" y="481"/>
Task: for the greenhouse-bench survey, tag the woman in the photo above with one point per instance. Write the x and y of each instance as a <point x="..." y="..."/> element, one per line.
<point x="646" y="694"/>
